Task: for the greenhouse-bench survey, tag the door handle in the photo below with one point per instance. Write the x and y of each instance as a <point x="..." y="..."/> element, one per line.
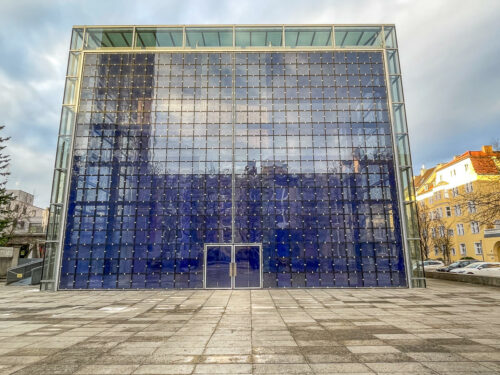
<point x="232" y="269"/>
<point x="235" y="270"/>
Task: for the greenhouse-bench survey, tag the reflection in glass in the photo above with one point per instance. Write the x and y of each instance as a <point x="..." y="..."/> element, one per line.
<point x="209" y="37"/>
<point x="354" y="36"/>
<point x="159" y="37"/>
<point x="247" y="259"/>
<point x="308" y="36"/>
<point x="218" y="262"/>
<point x="156" y="177"/>
<point x="108" y="38"/>
<point x="258" y="37"/>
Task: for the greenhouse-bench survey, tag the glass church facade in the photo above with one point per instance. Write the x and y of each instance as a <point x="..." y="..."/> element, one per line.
<point x="233" y="157"/>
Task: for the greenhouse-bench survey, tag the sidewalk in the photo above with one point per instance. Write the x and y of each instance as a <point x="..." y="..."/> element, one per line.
<point x="448" y="328"/>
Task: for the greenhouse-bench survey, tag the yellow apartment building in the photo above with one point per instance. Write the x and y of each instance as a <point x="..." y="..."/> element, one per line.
<point x="450" y="193"/>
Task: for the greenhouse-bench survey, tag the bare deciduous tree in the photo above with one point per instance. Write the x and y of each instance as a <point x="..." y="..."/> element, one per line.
<point x="424" y="227"/>
<point x="443" y="239"/>
<point x="483" y="205"/>
<point x="495" y="143"/>
<point x="5" y="198"/>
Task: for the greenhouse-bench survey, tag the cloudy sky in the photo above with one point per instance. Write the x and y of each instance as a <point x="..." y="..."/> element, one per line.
<point x="449" y="53"/>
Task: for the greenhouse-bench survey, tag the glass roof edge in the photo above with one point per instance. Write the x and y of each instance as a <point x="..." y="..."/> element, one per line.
<point x="233" y="25"/>
<point x="235" y="49"/>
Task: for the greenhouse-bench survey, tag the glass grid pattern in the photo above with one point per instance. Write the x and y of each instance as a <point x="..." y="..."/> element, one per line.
<point x="154" y="164"/>
<point x="211" y="36"/>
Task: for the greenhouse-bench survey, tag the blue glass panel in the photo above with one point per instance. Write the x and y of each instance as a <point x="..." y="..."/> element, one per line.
<point x="66" y="281"/>
<point x="314" y="169"/>
<point x="81" y="281"/>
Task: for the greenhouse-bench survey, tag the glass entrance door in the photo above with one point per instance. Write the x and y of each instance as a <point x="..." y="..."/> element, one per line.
<point x="218" y="262"/>
<point x="233" y="266"/>
<point x="247" y="259"/>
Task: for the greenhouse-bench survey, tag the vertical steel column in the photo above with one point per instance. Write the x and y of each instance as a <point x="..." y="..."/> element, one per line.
<point x="56" y="244"/>
<point x="233" y="175"/>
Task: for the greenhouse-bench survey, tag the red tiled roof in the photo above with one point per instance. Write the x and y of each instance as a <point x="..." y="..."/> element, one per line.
<point x="421" y="179"/>
<point x="482" y="162"/>
<point x="484" y="165"/>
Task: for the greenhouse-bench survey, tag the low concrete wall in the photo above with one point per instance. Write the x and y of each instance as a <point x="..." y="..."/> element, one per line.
<point x="6" y="256"/>
<point x="473" y="279"/>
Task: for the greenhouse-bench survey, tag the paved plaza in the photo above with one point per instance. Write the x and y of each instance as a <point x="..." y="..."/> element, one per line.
<point x="448" y="328"/>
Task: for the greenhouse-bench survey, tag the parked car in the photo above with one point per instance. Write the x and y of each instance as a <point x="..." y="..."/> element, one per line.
<point x="485" y="269"/>
<point x="457" y="264"/>
<point x="491" y="272"/>
<point x="468" y="267"/>
<point x="431" y="264"/>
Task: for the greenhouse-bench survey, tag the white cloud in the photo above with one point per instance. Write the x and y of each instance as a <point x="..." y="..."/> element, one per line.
<point x="31" y="171"/>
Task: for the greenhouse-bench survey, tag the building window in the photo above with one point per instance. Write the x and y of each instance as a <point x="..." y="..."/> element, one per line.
<point x="436" y="250"/>
<point x="443" y="249"/>
<point x="440" y="212"/>
<point x="448" y="211"/>
<point x="472" y="207"/>
<point x="433" y="232"/>
<point x="451" y="233"/>
<point x="460" y="230"/>
<point x="35" y="228"/>
<point x="446" y="195"/>
<point x="441" y="231"/>
<point x="468" y="187"/>
<point x="454" y="192"/>
<point x="453" y="252"/>
<point x="474" y="226"/>
<point x="478" y="248"/>
<point x="458" y="210"/>
<point x="463" y="249"/>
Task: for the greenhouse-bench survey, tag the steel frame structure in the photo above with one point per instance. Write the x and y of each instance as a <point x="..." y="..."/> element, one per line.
<point x="385" y="42"/>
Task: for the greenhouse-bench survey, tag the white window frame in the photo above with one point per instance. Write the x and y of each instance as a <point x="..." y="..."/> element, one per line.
<point x="474" y="227"/>
<point x="478" y="248"/>
<point x="441" y="231"/>
<point x="460" y="229"/>
<point x="463" y="249"/>
<point x="472" y="207"/>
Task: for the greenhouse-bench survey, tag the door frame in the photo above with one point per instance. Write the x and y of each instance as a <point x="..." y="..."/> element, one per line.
<point x="233" y="253"/>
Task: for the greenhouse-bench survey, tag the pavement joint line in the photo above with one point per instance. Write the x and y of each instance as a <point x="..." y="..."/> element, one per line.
<point x="447" y="328"/>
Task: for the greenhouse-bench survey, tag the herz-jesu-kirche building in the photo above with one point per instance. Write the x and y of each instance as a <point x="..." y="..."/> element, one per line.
<point x="233" y="157"/>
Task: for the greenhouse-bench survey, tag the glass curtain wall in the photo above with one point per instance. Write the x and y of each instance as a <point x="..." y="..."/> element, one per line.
<point x="165" y="143"/>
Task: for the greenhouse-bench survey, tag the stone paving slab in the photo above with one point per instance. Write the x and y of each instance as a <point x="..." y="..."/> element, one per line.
<point x="448" y="328"/>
